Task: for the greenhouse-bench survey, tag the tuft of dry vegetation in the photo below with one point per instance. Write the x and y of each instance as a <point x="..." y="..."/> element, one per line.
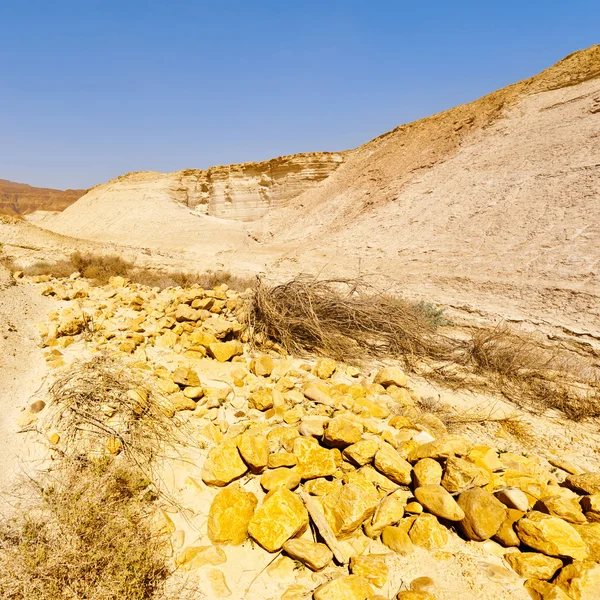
<point x="101" y="267"/>
<point x="83" y="532"/>
<point x="345" y="319"/>
<point x="349" y="320"/>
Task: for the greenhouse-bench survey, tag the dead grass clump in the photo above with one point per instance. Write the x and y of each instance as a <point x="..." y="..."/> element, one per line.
<point x="102" y="405"/>
<point x="83" y="533"/>
<point x="345" y="319"/>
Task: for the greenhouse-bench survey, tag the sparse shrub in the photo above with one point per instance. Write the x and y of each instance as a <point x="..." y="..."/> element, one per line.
<point x="83" y="533"/>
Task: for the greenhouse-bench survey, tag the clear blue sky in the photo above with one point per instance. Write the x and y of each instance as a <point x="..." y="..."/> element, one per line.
<point x="93" y="89"/>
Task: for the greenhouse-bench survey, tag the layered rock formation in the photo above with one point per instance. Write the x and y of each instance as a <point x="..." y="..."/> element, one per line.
<point x="22" y="199"/>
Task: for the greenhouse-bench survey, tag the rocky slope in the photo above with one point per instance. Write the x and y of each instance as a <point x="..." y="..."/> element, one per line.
<point x="22" y="199"/>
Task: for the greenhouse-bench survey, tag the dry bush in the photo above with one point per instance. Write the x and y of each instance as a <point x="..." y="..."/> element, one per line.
<point x="350" y="321"/>
<point x="83" y="532"/>
<point x="342" y="318"/>
<point x="93" y="411"/>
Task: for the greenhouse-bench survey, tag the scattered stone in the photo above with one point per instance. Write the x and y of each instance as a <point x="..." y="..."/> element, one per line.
<point x="551" y="535"/>
<point x="513" y="498"/>
<point x="262" y="366"/>
<point x="193" y="392"/>
<point x="439" y="502"/>
<point x="460" y="475"/>
<point x="114" y="445"/>
<point x="341" y="432"/>
<point x="484" y="514"/>
<point x="282" y="459"/>
<point x="230" y="514"/>
<point x="281" y="516"/>
<point x="580" y="580"/>
<point x="445" y="447"/>
<point x="564" y="504"/>
<point x="347" y="510"/>
<point x="427" y="472"/>
<point x="506" y="535"/>
<point x="391" y="376"/>
<point x="37" y="406"/>
<point x="254" y="450"/>
<point x="533" y="565"/>
<point x="427" y="532"/>
<point x="389" y="512"/>
<point x="261" y="400"/>
<point x="590" y="534"/>
<point x="389" y="462"/>
<point x="372" y="567"/>
<point x="223" y="464"/>
<point x="318" y="393"/>
<point x="346" y="587"/>
<point x="414" y="595"/>
<point x="281" y="477"/>
<point x="313" y="461"/>
<point x="224" y="351"/>
<point x="586" y="483"/>
<point x="325" y="368"/>
<point x="397" y="539"/>
<point x="315" y="556"/>
<point x="542" y="590"/>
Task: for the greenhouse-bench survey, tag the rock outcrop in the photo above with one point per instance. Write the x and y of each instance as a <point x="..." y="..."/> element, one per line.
<point x="23" y="199"/>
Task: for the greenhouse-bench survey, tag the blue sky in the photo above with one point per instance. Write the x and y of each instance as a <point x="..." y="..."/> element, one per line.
<point x="90" y="90"/>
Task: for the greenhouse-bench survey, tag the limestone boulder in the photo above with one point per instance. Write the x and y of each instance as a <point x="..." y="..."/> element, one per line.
<point x="348" y="509"/>
<point x="281" y="477"/>
<point x="314" y="555"/>
<point x="590" y="534"/>
<point x="443" y="447"/>
<point x="229" y="515"/>
<point x="427" y="472"/>
<point x="551" y="535"/>
<point x="389" y="512"/>
<point x="506" y="535"/>
<point x="262" y="366"/>
<point x="484" y="514"/>
<point x="254" y="449"/>
<point x="313" y="460"/>
<point x="361" y="452"/>
<point x="341" y="432"/>
<point x="282" y="459"/>
<point x="586" y="483"/>
<point x="414" y="595"/>
<point x="580" y="580"/>
<point x="427" y="532"/>
<point x="397" y="539"/>
<point x="224" y="351"/>
<point x="261" y="400"/>
<point x="346" y="587"/>
<point x="223" y="464"/>
<point x="461" y="474"/>
<point x="372" y="567"/>
<point x="563" y="504"/>
<point x="325" y="368"/>
<point x="391" y="376"/>
<point x="436" y="500"/>
<point x="533" y="565"/>
<point x="513" y="498"/>
<point x="281" y="516"/>
<point x="391" y="464"/>
<point x="591" y="507"/>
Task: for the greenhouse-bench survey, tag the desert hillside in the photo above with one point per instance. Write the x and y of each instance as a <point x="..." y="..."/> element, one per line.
<point x="23" y="199"/>
<point x="491" y="205"/>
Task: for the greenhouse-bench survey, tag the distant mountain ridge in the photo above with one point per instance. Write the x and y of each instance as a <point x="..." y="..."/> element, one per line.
<point x="22" y="199"/>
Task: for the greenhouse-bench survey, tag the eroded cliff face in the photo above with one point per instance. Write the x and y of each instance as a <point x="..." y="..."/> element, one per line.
<point x="242" y="192"/>
<point x="22" y="199"/>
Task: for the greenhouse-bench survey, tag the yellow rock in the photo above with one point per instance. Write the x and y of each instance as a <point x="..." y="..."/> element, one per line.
<point x="506" y="535"/>
<point x="262" y="366"/>
<point x="139" y="399"/>
<point x="414" y="595"/>
<point x="580" y="580"/>
<point x="194" y="557"/>
<point x="254" y="449"/>
<point x="53" y="438"/>
<point x="282" y="459"/>
<point x="444" y="447"/>
<point x="486" y="457"/>
<point x="280" y="477"/>
<point x="436" y="500"/>
<point x="261" y="400"/>
<point x="181" y="402"/>
<point x="282" y="437"/>
<point x="427" y="472"/>
<point x="313" y="461"/>
<point x="341" y="432"/>
<point x="281" y="516"/>
<point x="371" y="408"/>
<point x="224" y="351"/>
<point x="391" y="376"/>
<point x="114" y="445"/>
<point x="318" y="392"/>
<point x="314" y="556"/>
<point x="586" y="483"/>
<point x="484" y="514"/>
<point x="372" y="567"/>
<point x="397" y="539"/>
<point x="413" y="508"/>
<point x="551" y="535"/>
<point x="322" y="487"/>
<point x="533" y="565"/>
<point x="223" y="464"/>
<point x="325" y="368"/>
<point x="460" y="474"/>
<point x="590" y="534"/>
<point x="389" y="512"/>
<point x="392" y="465"/>
<point x="426" y="532"/>
<point x="362" y="452"/>
<point x="380" y="481"/>
<point x="542" y="590"/>
<point x="563" y="504"/>
<point x="193" y="392"/>
<point x="219" y="583"/>
<point x="346" y="587"/>
<point x="202" y="338"/>
<point x="229" y="515"/>
<point x="347" y="510"/>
